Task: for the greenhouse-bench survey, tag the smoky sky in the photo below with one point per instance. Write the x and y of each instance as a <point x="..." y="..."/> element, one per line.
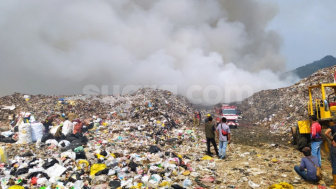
<point x="207" y="50"/>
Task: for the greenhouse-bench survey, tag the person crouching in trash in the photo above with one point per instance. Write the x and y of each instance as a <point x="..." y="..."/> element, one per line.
<point x="307" y="169"/>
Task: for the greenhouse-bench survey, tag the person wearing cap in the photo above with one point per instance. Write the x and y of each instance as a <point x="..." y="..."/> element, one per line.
<point x="307" y="169"/>
<point x="315" y="136"/>
<point x="210" y="136"/>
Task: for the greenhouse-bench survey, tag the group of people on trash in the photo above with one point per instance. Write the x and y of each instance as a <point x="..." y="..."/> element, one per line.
<point x="311" y="162"/>
<point x="222" y="131"/>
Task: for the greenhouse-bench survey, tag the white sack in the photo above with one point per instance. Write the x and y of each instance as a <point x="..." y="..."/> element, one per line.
<point x="37" y="131"/>
<point x="24" y="133"/>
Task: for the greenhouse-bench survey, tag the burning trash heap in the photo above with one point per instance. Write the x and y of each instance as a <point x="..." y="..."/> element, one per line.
<point x="139" y="140"/>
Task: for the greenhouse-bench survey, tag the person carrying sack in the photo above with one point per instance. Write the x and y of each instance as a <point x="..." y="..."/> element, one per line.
<point x="223" y="132"/>
<point x="308" y="166"/>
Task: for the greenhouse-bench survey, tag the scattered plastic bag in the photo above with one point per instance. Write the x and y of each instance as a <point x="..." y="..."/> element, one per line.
<point x="253" y="185"/>
<point x="67" y="127"/>
<point x="206" y="157"/>
<point x="55" y="171"/>
<point x="53" y="130"/>
<point x="16" y="187"/>
<point x="3" y="155"/>
<point x="95" y="168"/>
<point x="282" y="185"/>
<point x="187" y="182"/>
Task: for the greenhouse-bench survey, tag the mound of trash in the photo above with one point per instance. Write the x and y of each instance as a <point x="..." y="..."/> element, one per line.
<point x="280" y="109"/>
<point x="97" y="141"/>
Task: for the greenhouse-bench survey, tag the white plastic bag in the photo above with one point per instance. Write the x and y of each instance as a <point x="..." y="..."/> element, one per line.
<point x="67" y="127"/>
<point x="63" y="143"/>
<point x="36" y="131"/>
<point x="69" y="154"/>
<point x="253" y="185"/>
<point x="53" y="130"/>
<point x="78" y="184"/>
<point x="55" y="171"/>
<point x="52" y="141"/>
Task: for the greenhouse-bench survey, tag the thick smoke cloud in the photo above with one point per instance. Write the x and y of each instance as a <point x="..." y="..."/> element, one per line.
<point x="208" y="50"/>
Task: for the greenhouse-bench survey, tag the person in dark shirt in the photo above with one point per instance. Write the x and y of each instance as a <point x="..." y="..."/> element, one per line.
<point x="210" y="136"/>
<point x="307" y="169"/>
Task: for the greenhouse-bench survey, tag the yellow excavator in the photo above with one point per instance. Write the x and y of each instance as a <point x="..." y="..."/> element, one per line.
<point x="322" y="103"/>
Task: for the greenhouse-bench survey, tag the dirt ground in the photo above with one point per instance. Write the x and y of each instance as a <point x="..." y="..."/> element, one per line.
<point x="260" y="157"/>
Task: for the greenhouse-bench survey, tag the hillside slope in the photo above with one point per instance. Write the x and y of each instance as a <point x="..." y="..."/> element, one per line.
<point x="308" y="69"/>
<point x="280" y="109"/>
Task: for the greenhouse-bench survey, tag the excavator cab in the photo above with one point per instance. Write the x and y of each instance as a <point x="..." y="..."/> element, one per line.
<point x="322" y="103"/>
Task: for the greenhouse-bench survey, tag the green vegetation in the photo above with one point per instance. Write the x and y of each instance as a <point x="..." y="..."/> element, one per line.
<point x="307" y="70"/>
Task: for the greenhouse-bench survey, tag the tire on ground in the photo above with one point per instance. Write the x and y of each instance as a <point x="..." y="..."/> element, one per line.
<point x="303" y="142"/>
<point x="295" y="133"/>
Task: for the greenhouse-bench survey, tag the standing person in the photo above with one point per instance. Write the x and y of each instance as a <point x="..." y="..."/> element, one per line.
<point x="316" y="140"/>
<point x="195" y="118"/>
<point x="224" y="139"/>
<point x="307" y="169"/>
<point x="199" y="118"/>
<point x="332" y="148"/>
<point x="210" y="136"/>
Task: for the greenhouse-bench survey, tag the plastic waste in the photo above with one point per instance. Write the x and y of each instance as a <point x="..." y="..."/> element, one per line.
<point x="16" y="187"/>
<point x="67" y="127"/>
<point x="69" y="154"/>
<point x="95" y="168"/>
<point x="206" y="157"/>
<point x="253" y="185"/>
<point x="53" y="130"/>
<point x="3" y="155"/>
<point x="24" y="133"/>
<point x="55" y="171"/>
<point x="36" y="131"/>
<point x="78" y="184"/>
<point x="187" y="182"/>
<point x="82" y="164"/>
<point x="281" y="185"/>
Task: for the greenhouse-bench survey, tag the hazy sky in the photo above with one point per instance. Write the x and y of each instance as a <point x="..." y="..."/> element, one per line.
<point x="308" y="30"/>
<point x="207" y="50"/>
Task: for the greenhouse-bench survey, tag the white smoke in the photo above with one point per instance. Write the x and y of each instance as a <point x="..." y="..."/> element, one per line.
<point x="208" y="50"/>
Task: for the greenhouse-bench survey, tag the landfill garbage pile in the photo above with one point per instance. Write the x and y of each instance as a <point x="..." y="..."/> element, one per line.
<point x="83" y="141"/>
<point x="143" y="140"/>
<point x="280" y="109"/>
<point x="133" y="159"/>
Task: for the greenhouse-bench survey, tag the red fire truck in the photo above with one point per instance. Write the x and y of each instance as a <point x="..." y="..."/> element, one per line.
<point x="230" y="113"/>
